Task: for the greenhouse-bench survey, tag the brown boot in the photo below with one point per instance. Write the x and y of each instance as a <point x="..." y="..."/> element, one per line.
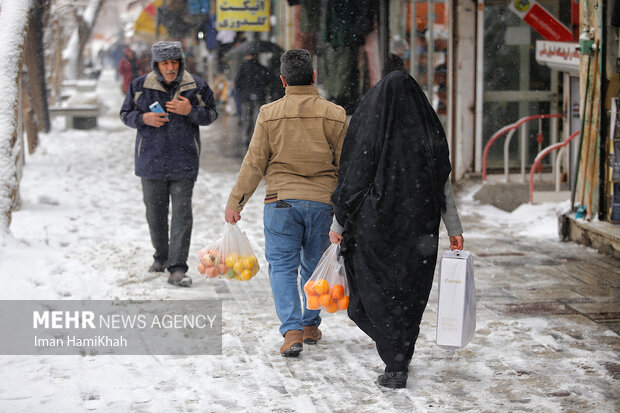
<point x="312" y="334"/>
<point x="292" y="343"/>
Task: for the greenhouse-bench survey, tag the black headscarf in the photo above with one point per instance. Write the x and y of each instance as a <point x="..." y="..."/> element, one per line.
<point x="393" y="167"/>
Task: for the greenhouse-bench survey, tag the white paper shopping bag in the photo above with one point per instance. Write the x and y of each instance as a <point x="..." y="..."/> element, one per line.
<point x="456" y="310"/>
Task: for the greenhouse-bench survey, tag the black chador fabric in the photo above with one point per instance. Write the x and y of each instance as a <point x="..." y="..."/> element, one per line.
<point x="393" y="167"/>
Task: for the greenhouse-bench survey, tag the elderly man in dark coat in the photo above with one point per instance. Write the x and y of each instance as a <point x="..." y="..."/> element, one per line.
<point x="167" y="151"/>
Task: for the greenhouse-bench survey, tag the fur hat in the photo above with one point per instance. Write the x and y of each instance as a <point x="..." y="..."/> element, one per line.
<point x="167" y="51"/>
<point x="161" y="51"/>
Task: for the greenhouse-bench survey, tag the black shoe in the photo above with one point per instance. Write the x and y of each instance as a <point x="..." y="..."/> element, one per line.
<point x="180" y="279"/>
<point x="293" y="350"/>
<point x="158" y="266"/>
<point x="393" y="379"/>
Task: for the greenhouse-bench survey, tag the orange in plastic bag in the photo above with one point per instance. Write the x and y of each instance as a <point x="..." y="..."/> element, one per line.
<point x="230" y="256"/>
<point x="328" y="287"/>
<point x="210" y="262"/>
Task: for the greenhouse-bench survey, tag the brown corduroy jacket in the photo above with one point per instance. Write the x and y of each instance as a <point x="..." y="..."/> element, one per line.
<point x="296" y="147"/>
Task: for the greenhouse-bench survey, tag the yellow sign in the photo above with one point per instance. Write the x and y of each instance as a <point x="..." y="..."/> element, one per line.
<point x="243" y="15"/>
<point x="521" y="5"/>
<point x="144" y="27"/>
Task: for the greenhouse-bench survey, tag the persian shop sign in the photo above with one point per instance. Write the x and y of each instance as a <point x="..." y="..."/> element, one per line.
<point x="562" y="56"/>
<point x="243" y="15"/>
<point x="541" y="20"/>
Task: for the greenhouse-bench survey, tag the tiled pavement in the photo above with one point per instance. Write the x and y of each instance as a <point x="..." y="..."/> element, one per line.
<point x="548" y="318"/>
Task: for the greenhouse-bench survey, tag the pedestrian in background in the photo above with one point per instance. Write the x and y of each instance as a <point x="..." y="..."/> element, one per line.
<point x="296" y="148"/>
<point x="128" y="68"/>
<point x="393" y="188"/>
<point x="167" y="151"/>
<point x="252" y="83"/>
<point x="145" y="62"/>
<point x="398" y="58"/>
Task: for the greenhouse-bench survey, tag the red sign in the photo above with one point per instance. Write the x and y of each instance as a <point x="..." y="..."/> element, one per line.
<point x="541" y="20"/>
<point x="545" y="24"/>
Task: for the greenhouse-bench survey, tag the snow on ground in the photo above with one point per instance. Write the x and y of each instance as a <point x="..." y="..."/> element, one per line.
<point x="538" y="221"/>
<point x="81" y="234"/>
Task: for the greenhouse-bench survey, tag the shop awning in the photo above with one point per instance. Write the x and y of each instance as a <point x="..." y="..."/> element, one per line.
<point x="144" y="27"/>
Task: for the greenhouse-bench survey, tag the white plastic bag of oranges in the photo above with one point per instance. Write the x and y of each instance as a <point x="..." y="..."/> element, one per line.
<point x="328" y="287"/>
<point x="229" y="256"/>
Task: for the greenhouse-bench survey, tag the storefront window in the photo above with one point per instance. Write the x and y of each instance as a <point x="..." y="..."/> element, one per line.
<point x="515" y="84"/>
<point x="428" y="36"/>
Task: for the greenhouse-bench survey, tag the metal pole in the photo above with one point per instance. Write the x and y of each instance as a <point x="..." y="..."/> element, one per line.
<point x="450" y="82"/>
<point x="479" y="83"/>
<point x="413" y="37"/>
<point x="523" y="142"/>
<point x="383" y="37"/>
<point x="430" y="50"/>
<point x="554" y="126"/>
<point x="507" y="154"/>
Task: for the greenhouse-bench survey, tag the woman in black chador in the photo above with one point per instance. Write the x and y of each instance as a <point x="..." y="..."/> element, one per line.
<point x="393" y="188"/>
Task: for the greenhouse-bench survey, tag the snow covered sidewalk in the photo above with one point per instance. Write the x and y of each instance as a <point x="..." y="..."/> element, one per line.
<point x="81" y="234"/>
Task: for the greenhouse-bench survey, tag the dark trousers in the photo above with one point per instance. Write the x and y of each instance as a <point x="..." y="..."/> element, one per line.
<point x="157" y="195"/>
<point x="249" y="113"/>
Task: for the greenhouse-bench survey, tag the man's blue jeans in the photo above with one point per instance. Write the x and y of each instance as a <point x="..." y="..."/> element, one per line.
<point x="295" y="237"/>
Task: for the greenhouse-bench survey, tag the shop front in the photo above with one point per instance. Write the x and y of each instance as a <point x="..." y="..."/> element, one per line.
<point x="512" y="84"/>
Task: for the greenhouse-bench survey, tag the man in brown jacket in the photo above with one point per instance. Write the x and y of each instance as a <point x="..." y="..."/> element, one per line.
<point x="296" y="147"/>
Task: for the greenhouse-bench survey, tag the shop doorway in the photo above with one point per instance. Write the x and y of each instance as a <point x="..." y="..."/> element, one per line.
<point x="514" y="85"/>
